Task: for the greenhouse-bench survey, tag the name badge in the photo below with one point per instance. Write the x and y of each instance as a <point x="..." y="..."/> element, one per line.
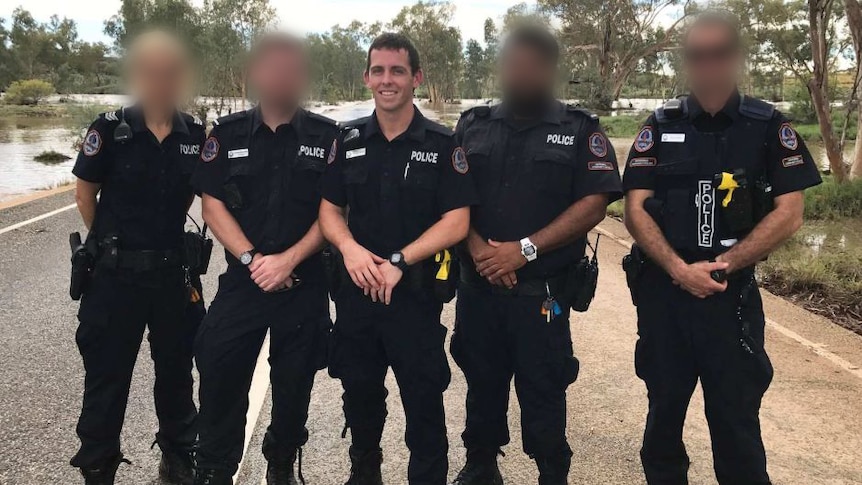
<point x="241" y="153"/>
<point x="673" y="137"/>
<point x="359" y="152"/>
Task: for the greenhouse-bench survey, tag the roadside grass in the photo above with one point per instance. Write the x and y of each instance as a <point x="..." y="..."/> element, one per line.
<point x="832" y="201"/>
<point x="624" y="126"/>
<point x="35" y="111"/>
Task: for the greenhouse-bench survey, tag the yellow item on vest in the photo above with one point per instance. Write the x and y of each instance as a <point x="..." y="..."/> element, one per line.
<point x="729" y="184"/>
<point x="444" y="259"/>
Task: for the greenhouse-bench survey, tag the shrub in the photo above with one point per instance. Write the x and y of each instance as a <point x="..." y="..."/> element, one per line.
<point x="28" y="92"/>
<point x="831" y="200"/>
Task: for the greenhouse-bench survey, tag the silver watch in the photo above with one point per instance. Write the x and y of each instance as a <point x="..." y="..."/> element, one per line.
<point x="529" y="250"/>
<point x="247" y="257"/>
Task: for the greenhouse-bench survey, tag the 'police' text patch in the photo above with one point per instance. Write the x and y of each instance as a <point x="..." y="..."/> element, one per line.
<point x="600" y="166"/>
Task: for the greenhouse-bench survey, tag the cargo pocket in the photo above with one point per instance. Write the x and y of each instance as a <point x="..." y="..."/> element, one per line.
<point x="321" y="343"/>
<point x="432" y="365"/>
<point x="758" y="367"/>
<point x="565" y="366"/>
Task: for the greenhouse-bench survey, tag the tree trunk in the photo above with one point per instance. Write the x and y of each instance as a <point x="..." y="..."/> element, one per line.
<point x="854" y="23"/>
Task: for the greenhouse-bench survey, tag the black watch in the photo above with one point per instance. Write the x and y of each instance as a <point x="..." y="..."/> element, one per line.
<point x="247" y="257"/>
<point x="397" y="260"/>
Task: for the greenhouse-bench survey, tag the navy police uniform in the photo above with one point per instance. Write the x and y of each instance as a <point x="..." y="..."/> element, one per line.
<point x="395" y="190"/>
<point x="527" y="173"/>
<point x="270" y="182"/>
<point x="139" y="281"/>
<point x="680" y="154"/>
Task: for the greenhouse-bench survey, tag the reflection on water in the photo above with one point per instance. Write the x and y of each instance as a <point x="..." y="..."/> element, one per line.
<point x="21" y="140"/>
<point x="823" y="236"/>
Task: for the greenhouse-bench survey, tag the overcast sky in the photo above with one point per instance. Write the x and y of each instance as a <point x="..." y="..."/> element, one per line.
<point x="302" y="16"/>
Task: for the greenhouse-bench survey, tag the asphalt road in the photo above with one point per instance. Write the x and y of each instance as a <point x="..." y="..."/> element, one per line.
<point x="812" y="414"/>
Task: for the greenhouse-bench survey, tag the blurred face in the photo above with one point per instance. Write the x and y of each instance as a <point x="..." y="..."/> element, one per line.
<point x="711" y="60"/>
<point x="390" y="80"/>
<point x="159" y="78"/>
<point x="527" y="78"/>
<point x="279" y="76"/>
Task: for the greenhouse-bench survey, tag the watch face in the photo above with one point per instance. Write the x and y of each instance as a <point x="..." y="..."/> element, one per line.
<point x="245" y="258"/>
<point x="396" y="258"/>
<point x="529" y="250"/>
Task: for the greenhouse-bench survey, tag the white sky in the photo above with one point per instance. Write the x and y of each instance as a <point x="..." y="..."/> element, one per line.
<point x="302" y="16"/>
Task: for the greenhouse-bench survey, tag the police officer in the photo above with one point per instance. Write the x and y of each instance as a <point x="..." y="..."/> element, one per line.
<point x="140" y="160"/>
<point x="713" y="184"/>
<point x="260" y="173"/>
<point x="545" y="173"/>
<point x="408" y="191"/>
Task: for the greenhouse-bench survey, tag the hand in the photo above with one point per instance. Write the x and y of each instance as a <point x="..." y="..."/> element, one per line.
<point x="696" y="279"/>
<point x="273" y="272"/>
<point x="362" y="267"/>
<point x="502" y="259"/>
<point x="391" y="276"/>
<point x="509" y="280"/>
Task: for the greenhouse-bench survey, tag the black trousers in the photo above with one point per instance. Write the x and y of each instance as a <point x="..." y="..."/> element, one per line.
<point x="406" y="335"/>
<point x="114" y="312"/>
<point x="683" y="339"/>
<point x="226" y="351"/>
<point x="498" y="337"/>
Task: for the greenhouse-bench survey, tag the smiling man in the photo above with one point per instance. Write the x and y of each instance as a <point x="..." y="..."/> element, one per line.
<point x="407" y="187"/>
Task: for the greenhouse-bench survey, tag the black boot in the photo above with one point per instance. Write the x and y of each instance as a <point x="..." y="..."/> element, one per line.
<point x="554" y="470"/>
<point x="103" y="474"/>
<point x="177" y="466"/>
<point x="279" y="468"/>
<point x="481" y="468"/>
<point x="365" y="467"/>
<point x="209" y="476"/>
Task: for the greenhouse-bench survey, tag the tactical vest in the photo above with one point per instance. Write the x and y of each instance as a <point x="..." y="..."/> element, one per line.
<point x="688" y="165"/>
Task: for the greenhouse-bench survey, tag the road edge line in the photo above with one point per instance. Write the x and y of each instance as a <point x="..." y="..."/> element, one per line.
<point x="35" y="195"/>
<point x="844" y="364"/>
<point x="46" y="215"/>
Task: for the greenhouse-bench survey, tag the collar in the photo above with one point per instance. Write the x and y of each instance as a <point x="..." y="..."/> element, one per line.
<point x="551" y="113"/>
<point x="730" y="109"/>
<point x="134" y="116"/>
<point x="257" y="119"/>
<point x="416" y="130"/>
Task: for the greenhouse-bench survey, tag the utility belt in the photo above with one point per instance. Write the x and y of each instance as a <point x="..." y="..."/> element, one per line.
<point x="437" y="276"/>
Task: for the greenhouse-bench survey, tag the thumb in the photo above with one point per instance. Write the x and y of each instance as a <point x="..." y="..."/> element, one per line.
<point x="493" y="243"/>
<point x="377" y="259"/>
<point x="716" y="265"/>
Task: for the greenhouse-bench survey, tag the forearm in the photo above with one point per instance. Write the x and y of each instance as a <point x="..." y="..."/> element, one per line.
<point x="649" y="237"/>
<point x="778" y="226"/>
<point x="310" y="244"/>
<point x="573" y="224"/>
<point x="85" y="199"/>
<point x="447" y="232"/>
<point x="333" y="225"/>
<point x="225" y="227"/>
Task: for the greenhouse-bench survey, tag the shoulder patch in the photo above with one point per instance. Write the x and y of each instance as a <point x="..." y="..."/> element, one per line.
<point x="642" y="162"/>
<point x="645" y="139"/>
<point x="600" y="166"/>
<point x="210" y="149"/>
<point x="598" y="145"/>
<point x="92" y="143"/>
<point x="333" y="151"/>
<point x="787" y="136"/>
<point x="792" y="161"/>
<point x="459" y="161"/>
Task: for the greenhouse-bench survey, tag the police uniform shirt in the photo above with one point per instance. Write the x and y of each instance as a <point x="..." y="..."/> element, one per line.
<point x="145" y="185"/>
<point x="528" y="173"/>
<point x="789" y="166"/>
<point x="397" y="189"/>
<point x="269" y="180"/>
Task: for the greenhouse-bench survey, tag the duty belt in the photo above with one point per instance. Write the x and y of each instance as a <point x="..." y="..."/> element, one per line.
<point x="148" y="260"/>
<point x="525" y="287"/>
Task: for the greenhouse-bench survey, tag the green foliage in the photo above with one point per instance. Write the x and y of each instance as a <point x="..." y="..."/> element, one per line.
<point x="28" y="92"/>
<point x="616" y="209"/>
<point x="51" y="157"/>
<point x="622" y="126"/>
<point x="831" y="200"/>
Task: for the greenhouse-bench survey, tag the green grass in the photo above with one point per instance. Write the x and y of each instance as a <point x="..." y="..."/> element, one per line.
<point x="625" y="126"/>
<point x="37" y="111"/>
<point x="615" y="209"/>
<point x="831" y="201"/>
<point x="51" y="156"/>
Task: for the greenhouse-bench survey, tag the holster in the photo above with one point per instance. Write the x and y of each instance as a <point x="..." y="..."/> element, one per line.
<point x="83" y="263"/>
<point x="333" y="266"/>
<point x="197" y="250"/>
<point x="633" y="265"/>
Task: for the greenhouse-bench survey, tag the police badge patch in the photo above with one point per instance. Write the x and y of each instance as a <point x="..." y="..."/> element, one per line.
<point x="787" y="136"/>
<point x="210" y="151"/>
<point x="92" y="143"/>
<point x="459" y="161"/>
<point x="598" y="145"/>
<point x="645" y="139"/>
<point x="333" y="150"/>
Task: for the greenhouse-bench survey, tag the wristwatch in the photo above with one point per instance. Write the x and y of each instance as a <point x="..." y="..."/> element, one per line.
<point x="529" y="250"/>
<point x="247" y="257"/>
<point x="397" y="260"/>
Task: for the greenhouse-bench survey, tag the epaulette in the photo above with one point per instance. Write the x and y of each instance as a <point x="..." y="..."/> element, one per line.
<point x="756" y="109"/>
<point x="351" y="130"/>
<point x="481" y="111"/>
<point x="321" y="118"/>
<point x="573" y="108"/>
<point x="190" y="118"/>
<point x="239" y="115"/>
<point x="111" y="115"/>
<point x="438" y="128"/>
<point x="672" y="110"/>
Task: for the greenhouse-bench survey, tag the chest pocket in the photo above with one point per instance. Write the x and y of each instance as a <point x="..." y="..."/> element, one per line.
<point x="420" y="189"/>
<point x="676" y="187"/>
<point x="239" y="185"/>
<point x="553" y="171"/>
<point x="305" y="179"/>
<point x="355" y="180"/>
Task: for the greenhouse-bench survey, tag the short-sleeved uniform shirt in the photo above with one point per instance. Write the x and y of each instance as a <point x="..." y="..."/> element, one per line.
<point x="145" y="185"/>
<point x="397" y="189"/>
<point x="529" y="172"/>
<point x="789" y="165"/>
<point x="269" y="180"/>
